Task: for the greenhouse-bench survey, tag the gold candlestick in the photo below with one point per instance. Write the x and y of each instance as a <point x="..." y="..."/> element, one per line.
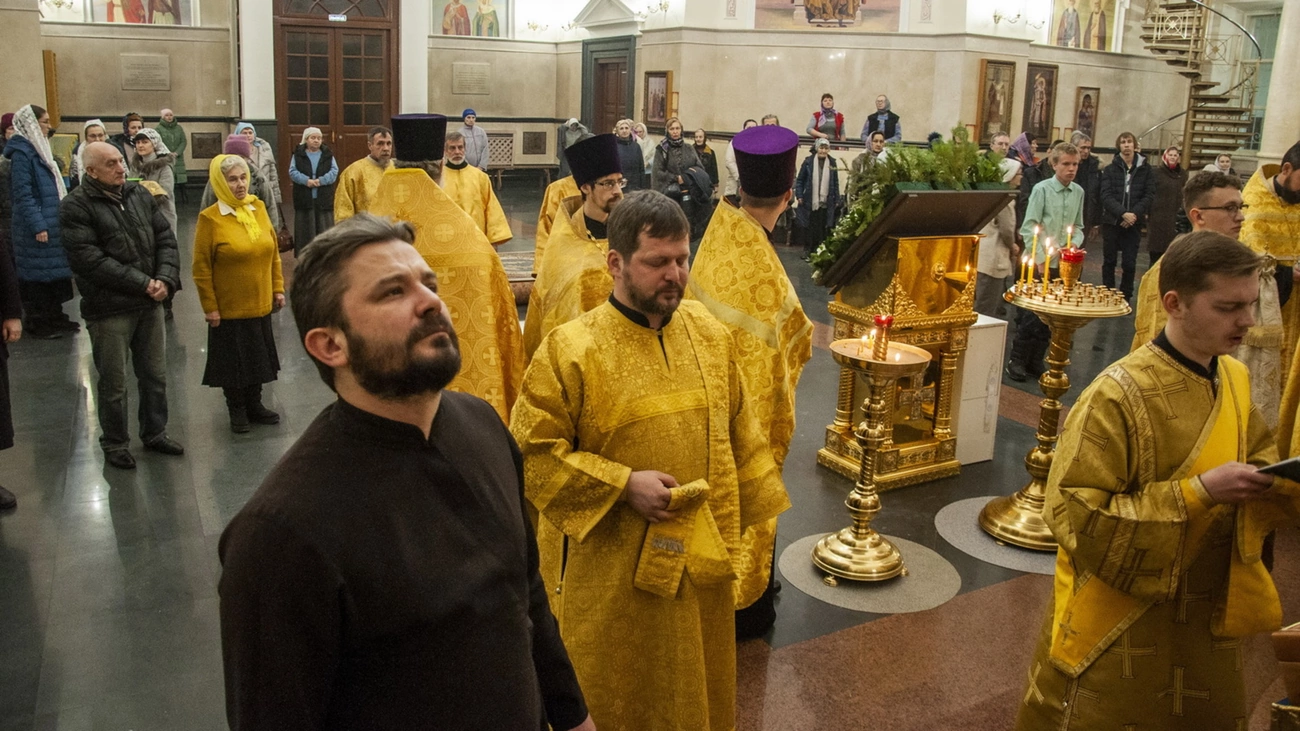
<point x="858" y="552"/>
<point x="1018" y="519"/>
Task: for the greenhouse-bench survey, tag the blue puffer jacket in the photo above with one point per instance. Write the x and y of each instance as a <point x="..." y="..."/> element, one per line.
<point x="35" y="209"/>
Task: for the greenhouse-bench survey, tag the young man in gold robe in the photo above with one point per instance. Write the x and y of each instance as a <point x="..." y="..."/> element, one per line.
<point x="471" y="188"/>
<point x="1160" y="511"/>
<point x="471" y="280"/>
<point x="359" y="181"/>
<point x="739" y="278"/>
<point x="574" y="278"/>
<point x="1213" y="203"/>
<point x="645" y="461"/>
<point x="1273" y="227"/>
<point x="556" y="193"/>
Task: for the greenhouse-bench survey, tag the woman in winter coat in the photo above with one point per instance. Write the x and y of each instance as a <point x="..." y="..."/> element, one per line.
<point x="150" y="159"/>
<point x="262" y="158"/>
<point x="817" y="192"/>
<point x="173" y="135"/>
<point x="630" y="156"/>
<point x="1169" y="177"/>
<point x="36" y="187"/>
<point x="314" y="173"/>
<point x="673" y="157"/>
<point x="707" y="156"/>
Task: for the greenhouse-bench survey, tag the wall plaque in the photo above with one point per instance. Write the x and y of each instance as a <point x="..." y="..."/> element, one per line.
<point x="145" y="71"/>
<point x="471" y="78"/>
<point x="206" y="145"/>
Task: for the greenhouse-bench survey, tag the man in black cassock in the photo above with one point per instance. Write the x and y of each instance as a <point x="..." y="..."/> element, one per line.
<point x="384" y="576"/>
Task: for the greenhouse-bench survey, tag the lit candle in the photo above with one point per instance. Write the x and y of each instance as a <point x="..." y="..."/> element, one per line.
<point x="1024" y="268"/>
<point x="863" y="346"/>
<point x="1047" y="258"/>
<point x="1069" y="236"/>
<point x="1033" y="256"/>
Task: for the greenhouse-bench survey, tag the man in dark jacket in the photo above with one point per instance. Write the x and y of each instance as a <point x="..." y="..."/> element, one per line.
<point x="123" y="253"/>
<point x="1127" y="192"/>
<point x="1089" y="178"/>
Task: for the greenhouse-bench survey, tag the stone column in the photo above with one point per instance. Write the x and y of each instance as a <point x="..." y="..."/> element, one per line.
<point x="1282" y="117"/>
<point x="24" y="68"/>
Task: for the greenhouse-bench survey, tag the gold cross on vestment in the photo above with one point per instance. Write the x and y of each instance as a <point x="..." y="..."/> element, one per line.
<point x="1186" y="597"/>
<point x="1088" y="435"/>
<point x="1033" y="691"/>
<point x="1127" y="652"/>
<point x="1132" y="571"/>
<point x="1179" y="692"/>
<point x="1163" y="391"/>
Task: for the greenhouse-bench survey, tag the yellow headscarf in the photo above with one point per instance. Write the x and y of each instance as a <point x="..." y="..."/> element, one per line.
<point x="242" y="206"/>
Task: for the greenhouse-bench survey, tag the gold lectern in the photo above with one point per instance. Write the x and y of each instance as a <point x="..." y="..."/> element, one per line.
<point x="917" y="263"/>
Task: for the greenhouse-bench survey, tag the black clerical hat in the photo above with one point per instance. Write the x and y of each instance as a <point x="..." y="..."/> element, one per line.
<point x="593" y="158"/>
<point x="765" y="159"/>
<point x="419" y="137"/>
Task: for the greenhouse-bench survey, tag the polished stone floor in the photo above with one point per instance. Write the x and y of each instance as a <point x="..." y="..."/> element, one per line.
<point x="108" y="605"/>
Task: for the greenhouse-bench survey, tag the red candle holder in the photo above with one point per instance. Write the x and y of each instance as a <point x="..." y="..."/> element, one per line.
<point x="1071" y="266"/>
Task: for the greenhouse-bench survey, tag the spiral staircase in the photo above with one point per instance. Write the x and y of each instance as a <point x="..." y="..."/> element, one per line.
<point x="1218" y="117"/>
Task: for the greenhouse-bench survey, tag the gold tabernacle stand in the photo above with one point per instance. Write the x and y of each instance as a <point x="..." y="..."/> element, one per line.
<point x="858" y="552"/>
<point x="917" y="262"/>
<point x="1018" y="519"/>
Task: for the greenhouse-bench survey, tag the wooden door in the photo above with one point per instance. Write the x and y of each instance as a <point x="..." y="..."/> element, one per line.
<point x="335" y="79"/>
<point x="610" y="89"/>
<point x="338" y="75"/>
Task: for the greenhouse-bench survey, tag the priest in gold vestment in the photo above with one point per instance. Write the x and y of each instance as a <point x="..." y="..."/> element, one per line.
<point x="575" y="277"/>
<point x="359" y="181"/>
<point x="556" y="193"/>
<point x="739" y="278"/>
<point x="1273" y="227"/>
<point x="645" y="461"/>
<point x="471" y="188"/>
<point x="1155" y="499"/>
<point x="1213" y="203"/>
<point x="471" y="280"/>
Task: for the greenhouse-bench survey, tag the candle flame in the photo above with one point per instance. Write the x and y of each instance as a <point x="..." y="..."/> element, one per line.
<point x="898" y="356"/>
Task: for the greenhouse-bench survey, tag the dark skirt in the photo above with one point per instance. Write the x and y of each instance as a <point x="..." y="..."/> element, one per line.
<point x="241" y="353"/>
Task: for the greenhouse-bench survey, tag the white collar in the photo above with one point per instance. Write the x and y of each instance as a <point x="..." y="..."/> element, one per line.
<point x="228" y="210"/>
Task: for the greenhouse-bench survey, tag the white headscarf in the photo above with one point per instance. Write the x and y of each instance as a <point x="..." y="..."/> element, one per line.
<point x="159" y="147"/>
<point x="309" y="132"/>
<point x="27" y="126"/>
<point x="1010" y="168"/>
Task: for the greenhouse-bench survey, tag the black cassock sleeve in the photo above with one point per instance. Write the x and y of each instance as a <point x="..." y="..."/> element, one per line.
<point x="281" y="615"/>
<point x="561" y="696"/>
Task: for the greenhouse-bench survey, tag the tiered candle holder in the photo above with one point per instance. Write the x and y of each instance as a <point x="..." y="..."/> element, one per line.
<point x="858" y="552"/>
<point x="1065" y="306"/>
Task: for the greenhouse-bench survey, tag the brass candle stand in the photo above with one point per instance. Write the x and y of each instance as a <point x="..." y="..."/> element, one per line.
<point x="1064" y="307"/>
<point x="858" y="552"/>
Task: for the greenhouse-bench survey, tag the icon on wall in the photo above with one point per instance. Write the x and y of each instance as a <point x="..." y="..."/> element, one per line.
<point x="1040" y="101"/>
<point x="1087" y="100"/>
<point x="658" y="98"/>
<point x="480" y="18"/>
<point x="1084" y="24"/>
<point x="142" y="12"/>
<point x="996" y="100"/>
<point x="869" y="16"/>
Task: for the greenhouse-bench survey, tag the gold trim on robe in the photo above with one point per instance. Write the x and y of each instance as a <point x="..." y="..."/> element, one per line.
<point x="555" y="194"/>
<point x="471" y="281"/>
<point x="604" y="397"/>
<point x="471" y="188"/>
<point x="573" y="279"/>
<point x="1156" y="585"/>
<point x="357" y="186"/>
<point x="739" y="278"/>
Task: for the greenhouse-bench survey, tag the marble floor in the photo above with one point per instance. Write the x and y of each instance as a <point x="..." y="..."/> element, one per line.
<point x="108" y="605"/>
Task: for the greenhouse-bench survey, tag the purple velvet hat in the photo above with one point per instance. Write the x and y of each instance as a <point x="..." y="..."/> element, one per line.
<point x="593" y="158"/>
<point x="765" y="157"/>
<point x="419" y="137"/>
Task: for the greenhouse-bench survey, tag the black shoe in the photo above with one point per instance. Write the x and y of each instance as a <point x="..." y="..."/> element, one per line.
<point x="66" y="325"/>
<point x="41" y="331"/>
<point x="1036" y="368"/>
<point x="1016" y="372"/>
<point x="259" y="414"/>
<point x="239" y="420"/>
<point x="165" y="445"/>
<point x="7" y="500"/>
<point x="120" y="458"/>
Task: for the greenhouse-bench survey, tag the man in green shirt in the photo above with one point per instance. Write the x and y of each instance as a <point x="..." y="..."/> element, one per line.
<point x="1055" y="214"/>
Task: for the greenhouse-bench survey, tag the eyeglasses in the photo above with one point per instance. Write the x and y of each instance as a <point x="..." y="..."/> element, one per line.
<point x="1232" y="208"/>
<point x="612" y="184"/>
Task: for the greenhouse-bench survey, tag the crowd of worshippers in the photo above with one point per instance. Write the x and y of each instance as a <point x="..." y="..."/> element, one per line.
<point x="530" y="495"/>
